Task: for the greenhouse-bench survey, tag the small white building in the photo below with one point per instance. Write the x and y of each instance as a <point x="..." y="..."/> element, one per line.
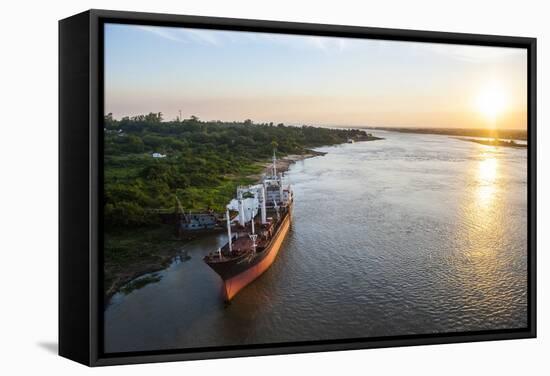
<point x="158" y="155"/>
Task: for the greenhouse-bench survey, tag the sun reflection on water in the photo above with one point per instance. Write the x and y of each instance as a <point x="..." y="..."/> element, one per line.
<point x="487" y="175"/>
<point x="482" y="210"/>
<point x="479" y="229"/>
<point x="488" y="169"/>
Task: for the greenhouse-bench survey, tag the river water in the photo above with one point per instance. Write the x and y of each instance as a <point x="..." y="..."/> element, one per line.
<point x="412" y="234"/>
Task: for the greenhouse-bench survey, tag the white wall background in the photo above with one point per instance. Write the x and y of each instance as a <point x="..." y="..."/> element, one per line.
<point x="28" y="189"/>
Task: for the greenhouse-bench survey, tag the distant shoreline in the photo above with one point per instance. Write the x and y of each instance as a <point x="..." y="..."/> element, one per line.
<point x="494" y="142"/>
<point x="512" y="134"/>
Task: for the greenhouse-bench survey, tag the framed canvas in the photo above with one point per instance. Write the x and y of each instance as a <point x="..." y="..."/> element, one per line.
<point x="234" y="187"/>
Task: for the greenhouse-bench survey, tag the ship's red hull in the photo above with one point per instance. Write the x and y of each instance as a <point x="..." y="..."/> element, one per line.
<point x="235" y="284"/>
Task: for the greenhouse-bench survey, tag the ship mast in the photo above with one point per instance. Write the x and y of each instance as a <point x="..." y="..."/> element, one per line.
<point x="228" y="230"/>
<point x="262" y="196"/>
<point x="241" y="210"/>
<point x="253" y="236"/>
<point x="274" y="164"/>
<point x="252" y="221"/>
<point x="280" y="179"/>
<point x="276" y="209"/>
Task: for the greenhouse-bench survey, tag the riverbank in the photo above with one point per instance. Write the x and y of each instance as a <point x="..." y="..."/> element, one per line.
<point x="130" y="254"/>
<point x="283" y="164"/>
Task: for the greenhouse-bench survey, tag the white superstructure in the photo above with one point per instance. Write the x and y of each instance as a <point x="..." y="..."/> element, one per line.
<point x="255" y="199"/>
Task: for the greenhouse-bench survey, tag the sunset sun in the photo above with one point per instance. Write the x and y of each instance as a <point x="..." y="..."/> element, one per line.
<point x="491" y="102"/>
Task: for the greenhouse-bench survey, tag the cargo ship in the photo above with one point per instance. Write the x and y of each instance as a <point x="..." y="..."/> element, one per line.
<point x="255" y="234"/>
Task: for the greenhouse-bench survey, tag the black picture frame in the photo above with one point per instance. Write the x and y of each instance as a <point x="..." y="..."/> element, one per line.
<point x="81" y="179"/>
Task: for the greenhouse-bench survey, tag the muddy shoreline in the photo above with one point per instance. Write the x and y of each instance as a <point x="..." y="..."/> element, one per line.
<point x="283" y="164"/>
<point x="116" y="276"/>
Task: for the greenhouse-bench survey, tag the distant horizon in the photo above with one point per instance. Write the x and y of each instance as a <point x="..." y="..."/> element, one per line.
<point x="314" y="125"/>
<point x="296" y="79"/>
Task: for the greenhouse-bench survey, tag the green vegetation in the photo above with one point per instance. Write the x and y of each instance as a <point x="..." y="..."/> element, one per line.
<point x="204" y="163"/>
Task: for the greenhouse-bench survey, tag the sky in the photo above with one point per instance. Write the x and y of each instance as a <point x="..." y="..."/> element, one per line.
<point x="324" y="81"/>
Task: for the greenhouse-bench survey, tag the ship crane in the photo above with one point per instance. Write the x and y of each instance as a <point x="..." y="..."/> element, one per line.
<point x="245" y="205"/>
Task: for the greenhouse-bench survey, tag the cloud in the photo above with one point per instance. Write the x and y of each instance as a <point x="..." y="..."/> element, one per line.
<point x="163" y="32"/>
<point x="205" y="36"/>
<point x="472" y="54"/>
<point x="218" y="37"/>
<point x="182" y="35"/>
<point x="327" y="44"/>
<point x="300" y="42"/>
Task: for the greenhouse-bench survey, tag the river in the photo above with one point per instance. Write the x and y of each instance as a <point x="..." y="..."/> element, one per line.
<point x="412" y="234"/>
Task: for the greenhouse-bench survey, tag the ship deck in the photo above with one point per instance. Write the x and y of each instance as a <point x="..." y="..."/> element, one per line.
<point x="242" y="244"/>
